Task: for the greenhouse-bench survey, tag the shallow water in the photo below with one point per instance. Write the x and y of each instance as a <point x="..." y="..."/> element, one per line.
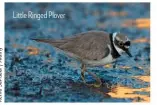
<point x="36" y="72"/>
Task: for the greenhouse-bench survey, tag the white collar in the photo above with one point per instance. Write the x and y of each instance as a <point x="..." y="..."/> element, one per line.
<point x="119" y="50"/>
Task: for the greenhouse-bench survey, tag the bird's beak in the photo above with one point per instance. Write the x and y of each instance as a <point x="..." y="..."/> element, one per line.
<point x="128" y="52"/>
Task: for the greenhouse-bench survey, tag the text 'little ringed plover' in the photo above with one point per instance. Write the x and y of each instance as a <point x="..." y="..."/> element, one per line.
<point x="93" y="48"/>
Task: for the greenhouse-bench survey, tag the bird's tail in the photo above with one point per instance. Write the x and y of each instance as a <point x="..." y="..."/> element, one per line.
<point x="53" y="42"/>
<point x="43" y="40"/>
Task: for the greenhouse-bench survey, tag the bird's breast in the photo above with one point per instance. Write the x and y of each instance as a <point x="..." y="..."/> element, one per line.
<point x="106" y="60"/>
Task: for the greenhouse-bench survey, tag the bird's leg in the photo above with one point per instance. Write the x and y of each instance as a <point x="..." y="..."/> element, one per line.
<point x="98" y="81"/>
<point x="115" y="64"/>
<point x="83" y="69"/>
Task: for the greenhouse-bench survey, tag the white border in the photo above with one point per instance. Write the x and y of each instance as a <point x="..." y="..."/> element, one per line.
<point x="153" y="44"/>
<point x="77" y="1"/>
<point x="2" y="45"/>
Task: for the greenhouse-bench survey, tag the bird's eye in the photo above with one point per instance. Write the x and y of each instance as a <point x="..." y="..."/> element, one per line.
<point x="120" y="43"/>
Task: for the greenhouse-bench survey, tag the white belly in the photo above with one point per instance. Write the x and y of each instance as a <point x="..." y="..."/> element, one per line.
<point x="103" y="61"/>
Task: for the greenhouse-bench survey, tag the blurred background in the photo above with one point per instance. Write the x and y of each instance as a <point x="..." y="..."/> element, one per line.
<point x="36" y="72"/>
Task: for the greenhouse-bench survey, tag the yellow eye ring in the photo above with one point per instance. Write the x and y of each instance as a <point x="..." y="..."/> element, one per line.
<point x="121" y="44"/>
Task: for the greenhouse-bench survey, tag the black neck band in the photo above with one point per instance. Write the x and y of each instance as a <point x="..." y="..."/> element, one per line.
<point x="114" y="52"/>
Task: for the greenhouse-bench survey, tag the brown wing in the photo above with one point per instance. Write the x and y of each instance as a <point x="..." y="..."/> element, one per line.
<point x="90" y="45"/>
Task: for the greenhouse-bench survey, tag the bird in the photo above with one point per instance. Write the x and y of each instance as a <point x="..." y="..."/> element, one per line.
<point x="92" y="48"/>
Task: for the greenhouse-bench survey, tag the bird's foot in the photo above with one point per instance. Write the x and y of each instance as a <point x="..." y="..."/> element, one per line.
<point x="96" y="85"/>
<point x="98" y="81"/>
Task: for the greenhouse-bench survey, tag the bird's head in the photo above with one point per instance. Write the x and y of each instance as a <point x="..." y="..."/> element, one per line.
<point x="122" y="43"/>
